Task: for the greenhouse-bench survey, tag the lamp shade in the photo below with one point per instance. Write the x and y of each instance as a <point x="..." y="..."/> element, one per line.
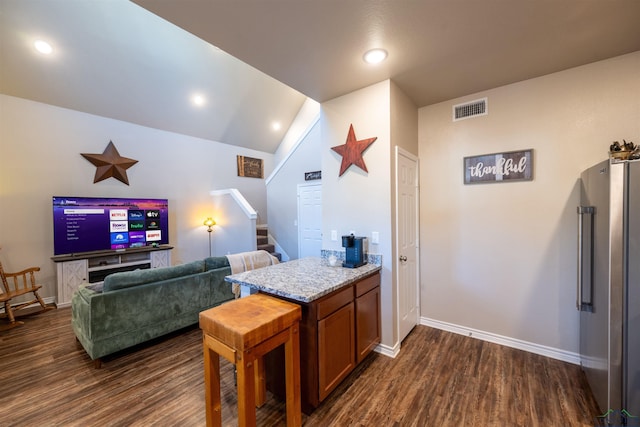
<point x="209" y="222"/>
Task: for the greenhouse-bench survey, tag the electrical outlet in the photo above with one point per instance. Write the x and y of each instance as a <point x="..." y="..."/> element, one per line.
<point x="375" y="237"/>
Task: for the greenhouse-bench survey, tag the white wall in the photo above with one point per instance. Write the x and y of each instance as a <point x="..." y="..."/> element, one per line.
<point x="404" y="134"/>
<point x="235" y="230"/>
<point x="308" y="113"/>
<point x="40" y="148"/>
<point x="282" y="189"/>
<point x="358" y="200"/>
<point x="501" y="258"/>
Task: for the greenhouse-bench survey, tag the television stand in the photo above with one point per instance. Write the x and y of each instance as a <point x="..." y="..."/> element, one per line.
<point x="92" y="267"/>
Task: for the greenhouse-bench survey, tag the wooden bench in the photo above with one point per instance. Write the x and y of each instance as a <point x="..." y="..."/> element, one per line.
<point x="242" y="331"/>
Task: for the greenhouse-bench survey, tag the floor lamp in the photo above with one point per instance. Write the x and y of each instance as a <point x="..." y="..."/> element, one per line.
<point x="209" y="222"/>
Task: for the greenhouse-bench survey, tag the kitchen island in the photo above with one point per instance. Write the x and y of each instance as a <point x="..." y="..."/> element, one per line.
<point x="340" y="322"/>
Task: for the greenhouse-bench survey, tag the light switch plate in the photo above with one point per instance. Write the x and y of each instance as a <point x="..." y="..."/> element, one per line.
<point x="334" y="235"/>
<point x="375" y="237"/>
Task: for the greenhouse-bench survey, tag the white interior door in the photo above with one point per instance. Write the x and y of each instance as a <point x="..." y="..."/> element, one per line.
<point x="407" y="248"/>
<point x="309" y="220"/>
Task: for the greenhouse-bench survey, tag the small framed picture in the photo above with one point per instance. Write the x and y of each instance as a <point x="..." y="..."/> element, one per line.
<point x="250" y="167"/>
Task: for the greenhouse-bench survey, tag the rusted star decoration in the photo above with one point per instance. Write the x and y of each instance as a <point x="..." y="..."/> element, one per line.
<point x="352" y="150"/>
<point x="110" y="164"/>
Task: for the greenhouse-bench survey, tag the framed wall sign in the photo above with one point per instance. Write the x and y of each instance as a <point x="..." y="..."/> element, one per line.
<point x="311" y="176"/>
<point x="499" y="167"/>
<point x="250" y="167"/>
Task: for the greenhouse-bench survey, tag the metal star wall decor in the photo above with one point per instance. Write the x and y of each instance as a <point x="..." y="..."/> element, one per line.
<point x="352" y="150"/>
<point x="110" y="164"/>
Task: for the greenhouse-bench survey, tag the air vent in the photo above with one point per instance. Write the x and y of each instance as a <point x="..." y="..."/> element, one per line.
<point x="470" y="109"/>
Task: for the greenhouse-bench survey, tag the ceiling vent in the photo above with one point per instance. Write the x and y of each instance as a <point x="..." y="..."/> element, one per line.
<point x="470" y="109"/>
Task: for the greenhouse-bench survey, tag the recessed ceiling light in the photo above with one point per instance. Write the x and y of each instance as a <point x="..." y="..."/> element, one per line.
<point x="43" y="47"/>
<point x="276" y="125"/>
<point x="375" y="56"/>
<point x="199" y="100"/>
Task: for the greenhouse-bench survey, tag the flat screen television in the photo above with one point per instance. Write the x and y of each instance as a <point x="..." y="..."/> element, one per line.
<point x="88" y="224"/>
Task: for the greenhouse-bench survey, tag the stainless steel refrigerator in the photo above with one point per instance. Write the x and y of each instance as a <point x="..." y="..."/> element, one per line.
<point x="609" y="287"/>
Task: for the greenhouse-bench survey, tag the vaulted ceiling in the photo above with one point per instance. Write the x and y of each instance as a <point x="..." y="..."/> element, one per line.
<point x="115" y="59"/>
<point x="256" y="61"/>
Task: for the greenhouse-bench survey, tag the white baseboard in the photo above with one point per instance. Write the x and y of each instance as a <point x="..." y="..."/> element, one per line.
<point x="279" y="249"/>
<point x="388" y="351"/>
<point x="554" y="353"/>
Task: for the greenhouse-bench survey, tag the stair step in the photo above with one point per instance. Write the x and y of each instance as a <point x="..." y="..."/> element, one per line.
<point x="268" y="248"/>
<point x="262" y="240"/>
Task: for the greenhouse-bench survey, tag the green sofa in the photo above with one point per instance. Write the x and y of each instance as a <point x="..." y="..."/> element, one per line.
<point x="133" y="307"/>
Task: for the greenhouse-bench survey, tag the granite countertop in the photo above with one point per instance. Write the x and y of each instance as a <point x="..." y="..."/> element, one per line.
<point x="304" y="280"/>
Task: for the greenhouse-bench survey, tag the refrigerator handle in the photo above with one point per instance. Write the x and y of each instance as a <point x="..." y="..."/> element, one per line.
<point x="584" y="264"/>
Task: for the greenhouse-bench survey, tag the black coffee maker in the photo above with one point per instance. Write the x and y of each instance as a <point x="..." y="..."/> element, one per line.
<point x="354" y="251"/>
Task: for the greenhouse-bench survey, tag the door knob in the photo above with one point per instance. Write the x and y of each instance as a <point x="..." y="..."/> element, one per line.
<point x="403" y="258"/>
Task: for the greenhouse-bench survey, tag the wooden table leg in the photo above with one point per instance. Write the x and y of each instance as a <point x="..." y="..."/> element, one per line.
<point x="260" y="382"/>
<point x="212" y="387"/>
<point x="292" y="373"/>
<point x="246" y="389"/>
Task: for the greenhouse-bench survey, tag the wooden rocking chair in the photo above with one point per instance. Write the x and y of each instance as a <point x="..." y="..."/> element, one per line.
<point x="16" y="284"/>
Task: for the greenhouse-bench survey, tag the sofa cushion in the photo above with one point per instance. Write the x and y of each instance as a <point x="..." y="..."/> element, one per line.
<point x="215" y="262"/>
<point x="128" y="279"/>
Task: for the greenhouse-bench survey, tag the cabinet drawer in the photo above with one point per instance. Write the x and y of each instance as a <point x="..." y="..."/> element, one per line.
<point x="333" y="302"/>
<point x="366" y="284"/>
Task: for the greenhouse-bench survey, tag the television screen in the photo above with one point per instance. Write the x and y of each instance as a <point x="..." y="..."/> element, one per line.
<point x="86" y="224"/>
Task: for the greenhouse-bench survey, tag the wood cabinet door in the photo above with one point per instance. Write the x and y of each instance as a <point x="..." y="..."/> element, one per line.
<point x="336" y="348"/>
<point x="367" y="322"/>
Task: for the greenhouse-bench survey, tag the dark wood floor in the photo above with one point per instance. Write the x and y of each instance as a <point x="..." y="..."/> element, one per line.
<point x="438" y="379"/>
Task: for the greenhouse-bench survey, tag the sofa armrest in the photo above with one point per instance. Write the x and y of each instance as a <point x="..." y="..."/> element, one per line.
<point x="221" y="291"/>
<point x="81" y="314"/>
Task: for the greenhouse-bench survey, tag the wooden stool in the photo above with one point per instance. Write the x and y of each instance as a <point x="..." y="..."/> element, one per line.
<point x="242" y="331"/>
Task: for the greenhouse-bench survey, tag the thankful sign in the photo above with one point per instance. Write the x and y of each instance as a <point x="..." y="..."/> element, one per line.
<point x="499" y="167"/>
